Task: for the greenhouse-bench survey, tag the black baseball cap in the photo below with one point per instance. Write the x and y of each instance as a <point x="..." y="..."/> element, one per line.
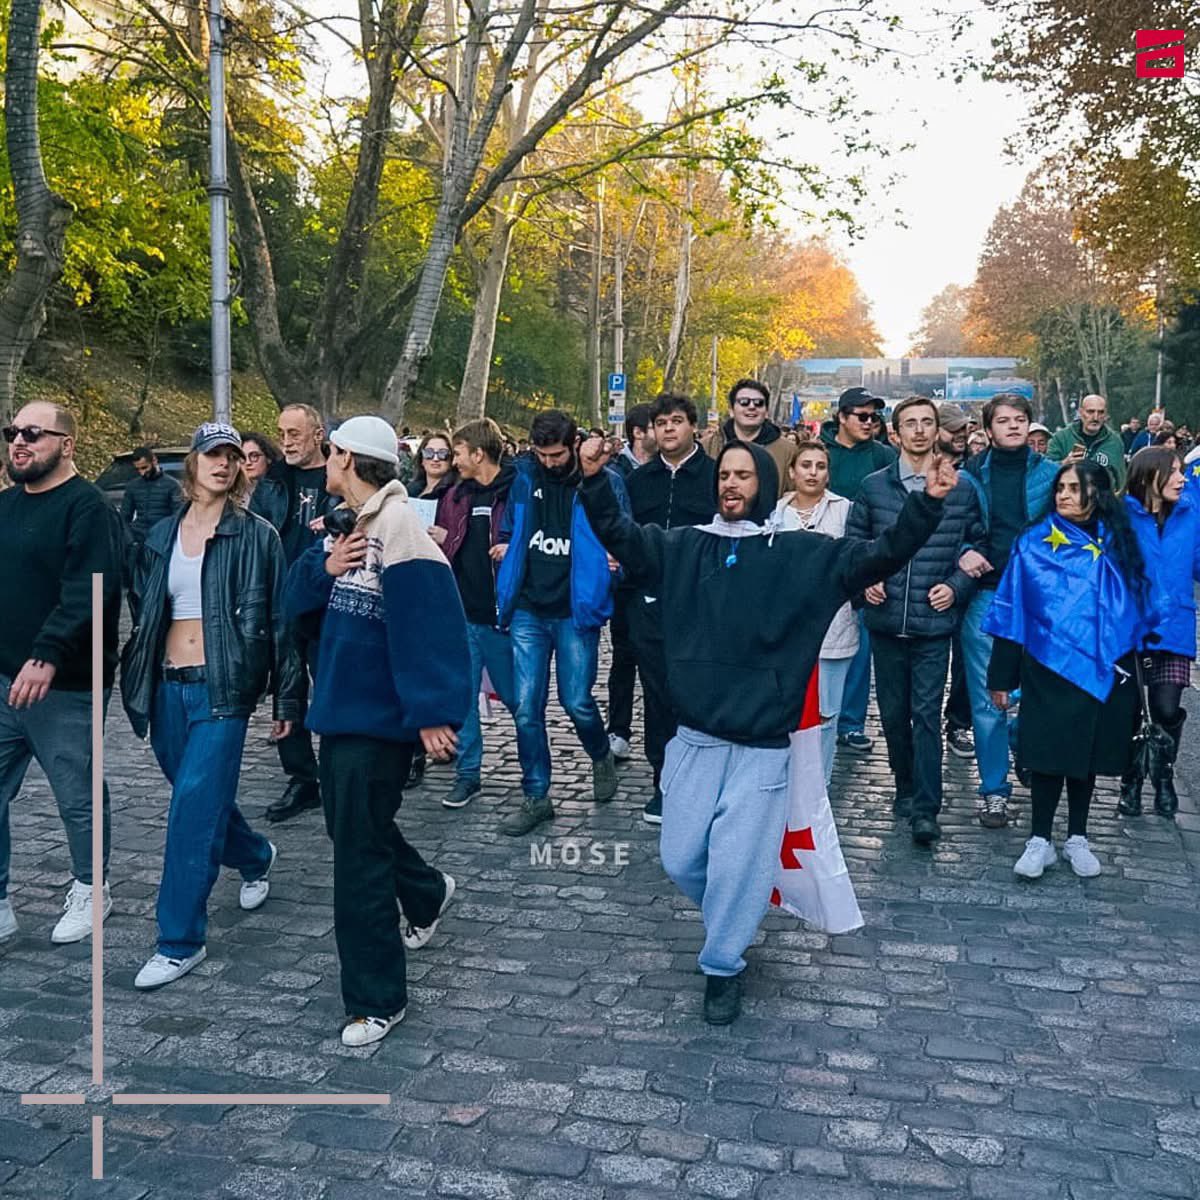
<point x="856" y="396"/>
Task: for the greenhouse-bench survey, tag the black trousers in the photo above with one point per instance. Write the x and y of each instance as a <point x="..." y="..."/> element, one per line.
<point x="296" y="755"/>
<point x="1045" y="791"/>
<point x="659" y="715"/>
<point x="373" y="868"/>
<point x="623" y="669"/>
<point x="910" y="680"/>
<point x="958" y="706"/>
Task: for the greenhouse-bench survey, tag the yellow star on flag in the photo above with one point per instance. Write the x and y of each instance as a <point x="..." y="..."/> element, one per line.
<point x="1096" y="550"/>
<point x="1196" y="470"/>
<point x="1057" y="538"/>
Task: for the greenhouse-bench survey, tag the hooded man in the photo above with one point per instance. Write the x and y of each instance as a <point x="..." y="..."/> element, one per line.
<point x="745" y="610"/>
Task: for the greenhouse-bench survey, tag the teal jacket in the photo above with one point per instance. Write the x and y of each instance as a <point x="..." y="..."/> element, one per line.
<point x="849" y="466"/>
<point x="1104" y="447"/>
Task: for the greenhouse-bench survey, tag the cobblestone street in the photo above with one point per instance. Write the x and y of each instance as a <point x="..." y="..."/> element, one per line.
<point x="979" y="1037"/>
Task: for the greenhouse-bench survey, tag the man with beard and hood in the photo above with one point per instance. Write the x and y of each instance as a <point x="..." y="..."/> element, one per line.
<point x="745" y="610"/>
<point x="554" y="593"/>
<point x="748" y="424"/>
<point x="56" y="531"/>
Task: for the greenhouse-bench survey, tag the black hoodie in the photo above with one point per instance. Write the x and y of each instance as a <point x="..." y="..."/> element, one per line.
<point x="744" y="617"/>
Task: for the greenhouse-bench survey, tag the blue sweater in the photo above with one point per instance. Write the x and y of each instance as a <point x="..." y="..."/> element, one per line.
<point x="393" y="656"/>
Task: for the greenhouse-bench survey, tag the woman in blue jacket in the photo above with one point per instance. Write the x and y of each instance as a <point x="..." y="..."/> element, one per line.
<point x="1166" y="520"/>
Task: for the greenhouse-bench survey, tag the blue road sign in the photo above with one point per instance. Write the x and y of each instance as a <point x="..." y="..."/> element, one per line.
<point x="616" y="381"/>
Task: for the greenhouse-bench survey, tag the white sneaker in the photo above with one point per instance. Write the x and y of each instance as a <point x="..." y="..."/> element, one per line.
<point x="1079" y="854"/>
<point x="254" y="893"/>
<point x="161" y="970"/>
<point x="76" y="922"/>
<point x="416" y="936"/>
<point x="618" y="745"/>
<point x="362" y="1031"/>
<point x="8" y="919"/>
<point x="1039" y="854"/>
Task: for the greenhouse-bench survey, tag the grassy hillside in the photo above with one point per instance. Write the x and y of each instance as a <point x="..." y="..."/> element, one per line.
<point x="105" y="388"/>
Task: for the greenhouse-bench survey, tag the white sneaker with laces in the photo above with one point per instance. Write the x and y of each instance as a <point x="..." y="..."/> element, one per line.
<point x="8" y="919"/>
<point x="415" y="936"/>
<point x="254" y="893"/>
<point x="1039" y="854"/>
<point x="1079" y="854"/>
<point x="161" y="970"/>
<point x="362" y="1031"/>
<point x="619" y="746"/>
<point x="76" y="922"/>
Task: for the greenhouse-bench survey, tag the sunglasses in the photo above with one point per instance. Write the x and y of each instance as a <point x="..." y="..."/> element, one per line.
<point x="30" y="433"/>
<point x="435" y="455"/>
<point x="867" y="416"/>
<point x="750" y="402"/>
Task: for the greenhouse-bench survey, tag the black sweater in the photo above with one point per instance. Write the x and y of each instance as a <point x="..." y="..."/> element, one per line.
<point x="660" y="496"/>
<point x="50" y="545"/>
<point x="741" y="641"/>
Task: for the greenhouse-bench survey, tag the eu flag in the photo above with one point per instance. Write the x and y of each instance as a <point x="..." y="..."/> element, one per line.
<point x="1063" y="598"/>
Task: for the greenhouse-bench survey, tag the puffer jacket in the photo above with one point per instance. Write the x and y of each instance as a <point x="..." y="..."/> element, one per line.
<point x="1172" y="556"/>
<point x="830" y="517"/>
<point x="907" y="612"/>
<point x="247" y="650"/>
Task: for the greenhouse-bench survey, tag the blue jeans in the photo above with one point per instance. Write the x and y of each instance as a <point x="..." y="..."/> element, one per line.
<point x="853" y="717"/>
<point x="831" y="683"/>
<point x="989" y="723"/>
<point x="534" y="639"/>
<point x="491" y="649"/>
<point x="201" y="756"/>
<point x="725" y="808"/>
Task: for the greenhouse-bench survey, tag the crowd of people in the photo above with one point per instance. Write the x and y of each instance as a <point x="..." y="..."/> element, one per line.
<point x="1022" y="598"/>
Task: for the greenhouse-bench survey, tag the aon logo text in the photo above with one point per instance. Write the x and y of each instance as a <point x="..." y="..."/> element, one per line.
<point x="554" y="547"/>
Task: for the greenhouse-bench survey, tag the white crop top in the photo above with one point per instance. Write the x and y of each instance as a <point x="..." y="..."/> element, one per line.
<point x="183" y="584"/>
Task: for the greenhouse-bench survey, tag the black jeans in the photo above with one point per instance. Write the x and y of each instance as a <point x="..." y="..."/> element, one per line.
<point x="1045" y="791"/>
<point x="910" y="680"/>
<point x="373" y="868"/>
<point x="296" y="755"/>
<point x="659" y="716"/>
<point x="623" y="669"/>
<point x="958" y="706"/>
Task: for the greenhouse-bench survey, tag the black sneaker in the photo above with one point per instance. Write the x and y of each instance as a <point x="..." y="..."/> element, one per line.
<point x="855" y="741"/>
<point x="652" y="813"/>
<point x="722" y="998"/>
<point x="460" y="794"/>
<point x="533" y="812"/>
<point x="960" y="742"/>
<point x="925" y="830"/>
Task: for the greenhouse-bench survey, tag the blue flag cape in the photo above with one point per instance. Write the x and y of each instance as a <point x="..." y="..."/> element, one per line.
<point x="1063" y="598"/>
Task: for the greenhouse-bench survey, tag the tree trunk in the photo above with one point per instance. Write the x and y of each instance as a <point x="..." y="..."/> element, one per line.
<point x="42" y="216"/>
<point x="595" y="317"/>
<point x="683" y="287"/>
<point x="472" y="395"/>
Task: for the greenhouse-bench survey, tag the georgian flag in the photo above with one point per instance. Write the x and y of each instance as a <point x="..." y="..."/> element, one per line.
<point x="812" y="882"/>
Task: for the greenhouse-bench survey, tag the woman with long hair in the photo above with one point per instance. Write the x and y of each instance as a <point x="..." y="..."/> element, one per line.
<point x="1166" y="519"/>
<point x="435" y="468"/>
<point x="1067" y="617"/>
<point x="812" y="506"/>
<point x="209" y="642"/>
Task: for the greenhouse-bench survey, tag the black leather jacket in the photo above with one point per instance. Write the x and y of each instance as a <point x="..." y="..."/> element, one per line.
<point x="247" y="650"/>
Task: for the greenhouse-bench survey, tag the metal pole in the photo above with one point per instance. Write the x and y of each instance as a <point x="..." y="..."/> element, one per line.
<point x="1158" y="374"/>
<point x="218" y="214"/>
<point x="712" y="401"/>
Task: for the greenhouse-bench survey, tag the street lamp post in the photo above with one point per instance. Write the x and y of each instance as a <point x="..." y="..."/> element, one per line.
<point x="218" y="215"/>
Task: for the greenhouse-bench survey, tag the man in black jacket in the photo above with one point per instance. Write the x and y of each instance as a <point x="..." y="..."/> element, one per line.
<point x="913" y="615"/>
<point x="293" y="498"/>
<point x="673" y="489"/>
<point x="745" y="611"/>
<point x="149" y="497"/>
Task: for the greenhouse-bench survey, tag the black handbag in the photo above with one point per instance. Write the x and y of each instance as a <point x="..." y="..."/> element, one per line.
<point x="1152" y="745"/>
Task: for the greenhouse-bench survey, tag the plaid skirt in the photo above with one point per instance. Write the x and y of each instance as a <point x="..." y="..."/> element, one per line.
<point x="1164" y="668"/>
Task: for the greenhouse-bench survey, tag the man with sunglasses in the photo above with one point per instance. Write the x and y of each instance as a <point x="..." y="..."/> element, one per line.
<point x="56" y="531"/>
<point x="749" y="404"/>
<point x="854" y="453"/>
<point x="293" y="498"/>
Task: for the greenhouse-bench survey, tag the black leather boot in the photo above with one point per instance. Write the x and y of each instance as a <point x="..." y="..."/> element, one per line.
<point x="1166" y="802"/>
<point x="1130" y="803"/>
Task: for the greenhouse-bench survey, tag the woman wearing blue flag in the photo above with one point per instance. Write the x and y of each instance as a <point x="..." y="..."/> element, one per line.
<point x="1067" y="616"/>
<point x="1166" y="519"/>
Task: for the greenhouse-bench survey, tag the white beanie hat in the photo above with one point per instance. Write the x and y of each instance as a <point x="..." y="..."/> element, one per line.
<point x="371" y="437"/>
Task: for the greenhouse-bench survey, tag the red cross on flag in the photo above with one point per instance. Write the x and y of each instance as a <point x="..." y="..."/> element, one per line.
<point x="812" y="881"/>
